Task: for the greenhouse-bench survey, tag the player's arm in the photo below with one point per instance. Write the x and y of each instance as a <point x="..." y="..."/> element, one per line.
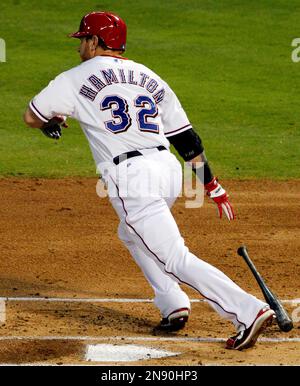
<point x="51" y="128"/>
<point x="189" y="146"/>
<point x="32" y="120"/>
<point x="187" y="142"/>
<point x="49" y="109"/>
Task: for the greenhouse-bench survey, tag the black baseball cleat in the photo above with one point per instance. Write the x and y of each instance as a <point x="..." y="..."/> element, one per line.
<point x="175" y="321"/>
<point x="247" y="338"/>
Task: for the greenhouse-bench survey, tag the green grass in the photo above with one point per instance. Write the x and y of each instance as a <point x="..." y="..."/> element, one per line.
<point x="228" y="61"/>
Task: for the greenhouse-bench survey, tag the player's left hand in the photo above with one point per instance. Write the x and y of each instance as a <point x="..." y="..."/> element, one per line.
<point x="52" y="129"/>
<point x="220" y="197"/>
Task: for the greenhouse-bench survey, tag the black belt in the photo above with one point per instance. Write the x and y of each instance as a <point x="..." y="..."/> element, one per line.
<point x="130" y="154"/>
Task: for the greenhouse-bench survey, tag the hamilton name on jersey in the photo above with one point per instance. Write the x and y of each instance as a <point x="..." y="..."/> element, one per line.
<point x="108" y="77"/>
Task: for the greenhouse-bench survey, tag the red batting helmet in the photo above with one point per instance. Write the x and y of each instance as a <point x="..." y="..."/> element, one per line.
<point x="110" y="28"/>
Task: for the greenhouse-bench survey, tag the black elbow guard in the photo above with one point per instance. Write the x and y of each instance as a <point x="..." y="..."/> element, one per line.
<point x="188" y="144"/>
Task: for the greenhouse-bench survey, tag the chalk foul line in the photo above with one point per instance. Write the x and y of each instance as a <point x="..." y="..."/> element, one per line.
<point x="141" y="338"/>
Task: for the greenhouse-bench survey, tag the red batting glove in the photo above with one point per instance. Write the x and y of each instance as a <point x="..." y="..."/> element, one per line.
<point x="220" y="197"/>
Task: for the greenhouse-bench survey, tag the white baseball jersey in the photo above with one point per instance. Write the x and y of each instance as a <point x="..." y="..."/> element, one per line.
<point x="121" y="105"/>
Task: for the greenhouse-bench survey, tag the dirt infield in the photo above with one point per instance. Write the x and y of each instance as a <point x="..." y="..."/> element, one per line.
<point x="58" y="240"/>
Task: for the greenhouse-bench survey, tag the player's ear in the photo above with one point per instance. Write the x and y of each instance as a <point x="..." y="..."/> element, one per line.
<point x="94" y="42"/>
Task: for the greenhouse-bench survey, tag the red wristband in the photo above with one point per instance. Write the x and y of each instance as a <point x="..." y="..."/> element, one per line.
<point x="211" y="185"/>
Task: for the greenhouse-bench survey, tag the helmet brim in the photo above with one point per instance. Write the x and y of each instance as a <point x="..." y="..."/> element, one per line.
<point x="78" y="34"/>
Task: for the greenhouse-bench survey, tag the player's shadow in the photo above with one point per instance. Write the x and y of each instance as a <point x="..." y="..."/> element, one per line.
<point x="90" y="319"/>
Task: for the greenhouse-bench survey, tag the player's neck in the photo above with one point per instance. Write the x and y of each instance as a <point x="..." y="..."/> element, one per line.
<point x="117" y="54"/>
<point x="114" y="55"/>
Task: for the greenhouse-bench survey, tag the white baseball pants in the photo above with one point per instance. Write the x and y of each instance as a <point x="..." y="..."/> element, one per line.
<point x="141" y="190"/>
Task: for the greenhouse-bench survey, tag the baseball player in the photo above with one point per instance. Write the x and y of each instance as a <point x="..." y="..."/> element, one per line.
<point x="130" y="116"/>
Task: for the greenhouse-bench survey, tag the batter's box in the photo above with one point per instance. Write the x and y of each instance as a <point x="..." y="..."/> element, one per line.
<point x="98" y="319"/>
<point x="103" y="319"/>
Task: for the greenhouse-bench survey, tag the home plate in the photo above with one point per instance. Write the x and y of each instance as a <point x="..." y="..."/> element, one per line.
<point x="123" y="353"/>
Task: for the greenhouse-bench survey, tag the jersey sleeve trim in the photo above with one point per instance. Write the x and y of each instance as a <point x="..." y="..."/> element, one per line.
<point x="37" y="112"/>
<point x="178" y="131"/>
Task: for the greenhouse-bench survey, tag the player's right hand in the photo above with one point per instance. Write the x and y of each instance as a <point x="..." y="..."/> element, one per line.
<point x="220" y="197"/>
<point x="52" y="129"/>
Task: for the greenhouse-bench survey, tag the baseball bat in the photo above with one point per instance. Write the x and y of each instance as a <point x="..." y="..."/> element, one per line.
<point x="283" y="320"/>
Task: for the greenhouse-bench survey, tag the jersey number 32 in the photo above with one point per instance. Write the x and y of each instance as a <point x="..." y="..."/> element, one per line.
<point x="146" y="108"/>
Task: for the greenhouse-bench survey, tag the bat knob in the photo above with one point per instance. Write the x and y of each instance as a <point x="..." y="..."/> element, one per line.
<point x="287" y="326"/>
<point x="241" y="250"/>
<point x="284" y="322"/>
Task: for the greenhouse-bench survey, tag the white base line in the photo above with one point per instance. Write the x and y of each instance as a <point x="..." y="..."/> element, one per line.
<point x="141" y="338"/>
<point x="79" y="300"/>
<point x="103" y="300"/>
